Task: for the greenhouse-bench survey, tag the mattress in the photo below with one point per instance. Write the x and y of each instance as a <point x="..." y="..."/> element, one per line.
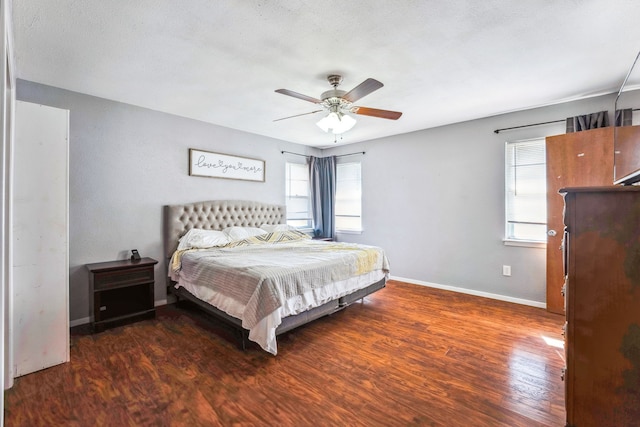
<point x="262" y="280"/>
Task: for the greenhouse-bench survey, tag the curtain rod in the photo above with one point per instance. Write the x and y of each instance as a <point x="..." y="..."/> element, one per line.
<point x="341" y="155"/>
<point x="541" y="123"/>
<point x="526" y="126"/>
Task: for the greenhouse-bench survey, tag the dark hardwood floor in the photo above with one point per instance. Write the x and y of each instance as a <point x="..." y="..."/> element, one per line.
<point x="409" y="355"/>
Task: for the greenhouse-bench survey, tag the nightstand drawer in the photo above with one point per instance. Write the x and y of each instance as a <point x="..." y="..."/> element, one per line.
<point x="118" y="278"/>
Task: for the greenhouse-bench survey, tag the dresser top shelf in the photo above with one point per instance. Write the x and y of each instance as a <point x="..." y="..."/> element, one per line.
<point x="120" y="264"/>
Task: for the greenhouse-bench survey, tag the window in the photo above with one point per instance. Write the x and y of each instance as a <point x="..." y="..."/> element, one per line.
<point x="526" y="191"/>
<point x="297" y="195"/>
<point x="348" y="197"/>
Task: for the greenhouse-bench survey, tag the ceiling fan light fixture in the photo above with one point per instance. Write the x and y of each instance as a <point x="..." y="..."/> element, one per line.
<point x="338" y="102"/>
<point x="336" y="122"/>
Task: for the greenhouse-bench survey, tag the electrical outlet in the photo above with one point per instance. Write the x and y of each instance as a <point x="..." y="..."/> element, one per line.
<point x="506" y="270"/>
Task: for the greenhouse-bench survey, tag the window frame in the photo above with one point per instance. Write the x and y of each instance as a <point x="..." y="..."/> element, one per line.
<point x="510" y="239"/>
<point x="309" y="226"/>
<point x="360" y="229"/>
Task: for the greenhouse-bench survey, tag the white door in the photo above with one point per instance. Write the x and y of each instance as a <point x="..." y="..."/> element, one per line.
<point x="40" y="237"/>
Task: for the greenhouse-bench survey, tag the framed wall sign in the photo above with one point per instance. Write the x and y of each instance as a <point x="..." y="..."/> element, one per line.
<point x="216" y="165"/>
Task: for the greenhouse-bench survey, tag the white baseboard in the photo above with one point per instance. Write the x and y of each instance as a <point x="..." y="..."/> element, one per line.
<point x="472" y="292"/>
<point x="78" y="322"/>
<point x="85" y="320"/>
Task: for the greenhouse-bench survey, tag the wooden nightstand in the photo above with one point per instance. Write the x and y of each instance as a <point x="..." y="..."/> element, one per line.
<point x="121" y="292"/>
<point x="324" y="239"/>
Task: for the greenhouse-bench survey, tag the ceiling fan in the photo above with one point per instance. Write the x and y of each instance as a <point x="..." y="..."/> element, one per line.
<point x="338" y="103"/>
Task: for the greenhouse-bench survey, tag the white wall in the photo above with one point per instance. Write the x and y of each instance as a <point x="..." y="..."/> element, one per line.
<point x="126" y="163"/>
<point x="434" y="199"/>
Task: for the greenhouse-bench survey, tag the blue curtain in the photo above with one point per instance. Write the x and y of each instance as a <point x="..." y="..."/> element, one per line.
<point x="322" y="180"/>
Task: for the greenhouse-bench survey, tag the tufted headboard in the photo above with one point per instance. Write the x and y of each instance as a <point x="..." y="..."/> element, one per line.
<point x="216" y="215"/>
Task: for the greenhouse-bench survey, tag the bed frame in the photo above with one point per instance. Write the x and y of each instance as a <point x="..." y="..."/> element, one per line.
<point x="219" y="214"/>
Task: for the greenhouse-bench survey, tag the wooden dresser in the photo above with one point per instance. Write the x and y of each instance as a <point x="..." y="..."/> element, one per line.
<point x="602" y="297"/>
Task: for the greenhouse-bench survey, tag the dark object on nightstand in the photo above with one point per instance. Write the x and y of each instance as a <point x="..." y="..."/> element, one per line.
<point x="324" y="239"/>
<point x="121" y="292"/>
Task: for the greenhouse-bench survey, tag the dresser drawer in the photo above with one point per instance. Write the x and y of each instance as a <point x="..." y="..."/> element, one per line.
<point x="118" y="278"/>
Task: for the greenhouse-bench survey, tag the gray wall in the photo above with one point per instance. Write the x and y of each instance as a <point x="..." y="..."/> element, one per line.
<point x="434" y="199"/>
<point x="126" y="163"/>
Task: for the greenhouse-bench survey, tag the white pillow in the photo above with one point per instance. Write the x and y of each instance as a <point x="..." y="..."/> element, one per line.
<point x="239" y="233"/>
<point x="270" y="228"/>
<point x="197" y="238"/>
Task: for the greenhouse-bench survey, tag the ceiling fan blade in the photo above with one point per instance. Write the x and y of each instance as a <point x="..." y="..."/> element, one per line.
<point x="297" y="115"/>
<point x="374" y="112"/>
<point x="363" y="89"/>
<point x="298" y="95"/>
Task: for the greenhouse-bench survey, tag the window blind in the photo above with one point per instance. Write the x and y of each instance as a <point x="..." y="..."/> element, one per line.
<point x="526" y="190"/>
<point x="297" y="195"/>
<point x="348" y="197"/>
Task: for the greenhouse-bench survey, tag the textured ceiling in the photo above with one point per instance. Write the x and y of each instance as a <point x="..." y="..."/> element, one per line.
<point x="220" y="61"/>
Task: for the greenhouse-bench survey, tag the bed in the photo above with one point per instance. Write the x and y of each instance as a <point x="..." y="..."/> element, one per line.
<point x="266" y="278"/>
